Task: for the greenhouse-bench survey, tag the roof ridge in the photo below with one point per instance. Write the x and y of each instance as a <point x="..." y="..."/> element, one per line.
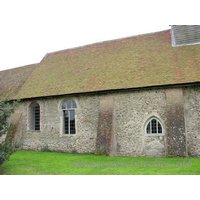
<point x="101" y="42"/>
<point x="138" y="61"/>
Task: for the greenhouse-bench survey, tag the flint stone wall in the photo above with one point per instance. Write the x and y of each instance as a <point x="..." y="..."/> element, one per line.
<point x="132" y="110"/>
<point x="192" y="120"/>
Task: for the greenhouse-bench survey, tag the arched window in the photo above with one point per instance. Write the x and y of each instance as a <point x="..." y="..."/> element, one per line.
<point x="34" y="116"/>
<point x="68" y="108"/>
<point x="153" y="126"/>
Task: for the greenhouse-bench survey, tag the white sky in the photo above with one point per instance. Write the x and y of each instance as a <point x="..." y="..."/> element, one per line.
<point x="30" y="29"/>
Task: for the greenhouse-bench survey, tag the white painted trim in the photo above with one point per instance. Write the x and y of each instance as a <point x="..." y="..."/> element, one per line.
<point x="151" y="116"/>
<point x="60" y="110"/>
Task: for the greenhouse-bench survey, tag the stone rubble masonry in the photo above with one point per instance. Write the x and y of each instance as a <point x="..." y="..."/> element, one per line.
<point x="176" y="141"/>
<point x="192" y="119"/>
<point x="131" y="110"/>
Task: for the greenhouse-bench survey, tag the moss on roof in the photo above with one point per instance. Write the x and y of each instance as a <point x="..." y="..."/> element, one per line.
<point x="138" y="61"/>
<point x="12" y="80"/>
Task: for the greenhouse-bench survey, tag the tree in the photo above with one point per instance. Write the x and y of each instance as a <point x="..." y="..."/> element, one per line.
<point x="7" y="107"/>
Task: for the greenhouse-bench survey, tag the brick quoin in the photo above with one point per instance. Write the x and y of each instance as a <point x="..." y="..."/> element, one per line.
<point x="105" y="134"/>
<point x="176" y="140"/>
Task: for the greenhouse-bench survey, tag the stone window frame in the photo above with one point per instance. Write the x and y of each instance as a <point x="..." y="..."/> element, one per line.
<point x="62" y="131"/>
<point x="154" y="134"/>
<point x="29" y="117"/>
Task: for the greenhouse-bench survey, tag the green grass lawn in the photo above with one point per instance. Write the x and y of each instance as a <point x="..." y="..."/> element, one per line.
<point x="50" y="163"/>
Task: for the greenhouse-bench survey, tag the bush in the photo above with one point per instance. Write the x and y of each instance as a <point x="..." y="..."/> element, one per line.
<point x="6" y="149"/>
<point x="7" y="107"/>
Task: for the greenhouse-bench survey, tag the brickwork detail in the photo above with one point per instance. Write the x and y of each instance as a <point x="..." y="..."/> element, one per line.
<point x="105" y="133"/>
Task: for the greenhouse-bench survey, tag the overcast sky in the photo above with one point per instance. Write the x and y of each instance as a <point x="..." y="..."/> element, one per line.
<point x="30" y="29"/>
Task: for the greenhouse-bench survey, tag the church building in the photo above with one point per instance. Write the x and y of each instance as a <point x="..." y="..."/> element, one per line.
<point x="135" y="96"/>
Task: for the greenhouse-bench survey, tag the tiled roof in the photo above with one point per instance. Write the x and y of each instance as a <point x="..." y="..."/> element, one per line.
<point x="12" y="80"/>
<point x="133" y="62"/>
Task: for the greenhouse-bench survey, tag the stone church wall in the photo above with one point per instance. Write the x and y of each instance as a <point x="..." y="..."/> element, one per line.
<point x="192" y="119"/>
<point x="132" y="110"/>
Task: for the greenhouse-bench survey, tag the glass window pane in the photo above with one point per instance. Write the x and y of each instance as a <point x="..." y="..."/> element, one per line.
<point x="64" y="105"/>
<point x="153" y="126"/>
<point x="72" y="122"/>
<point x="74" y="104"/>
<point x="69" y="102"/>
<point x="37" y="117"/>
<point x="159" y="128"/>
<point x="66" y="120"/>
<point x="34" y="116"/>
<point x="69" y="116"/>
<point x="31" y="118"/>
